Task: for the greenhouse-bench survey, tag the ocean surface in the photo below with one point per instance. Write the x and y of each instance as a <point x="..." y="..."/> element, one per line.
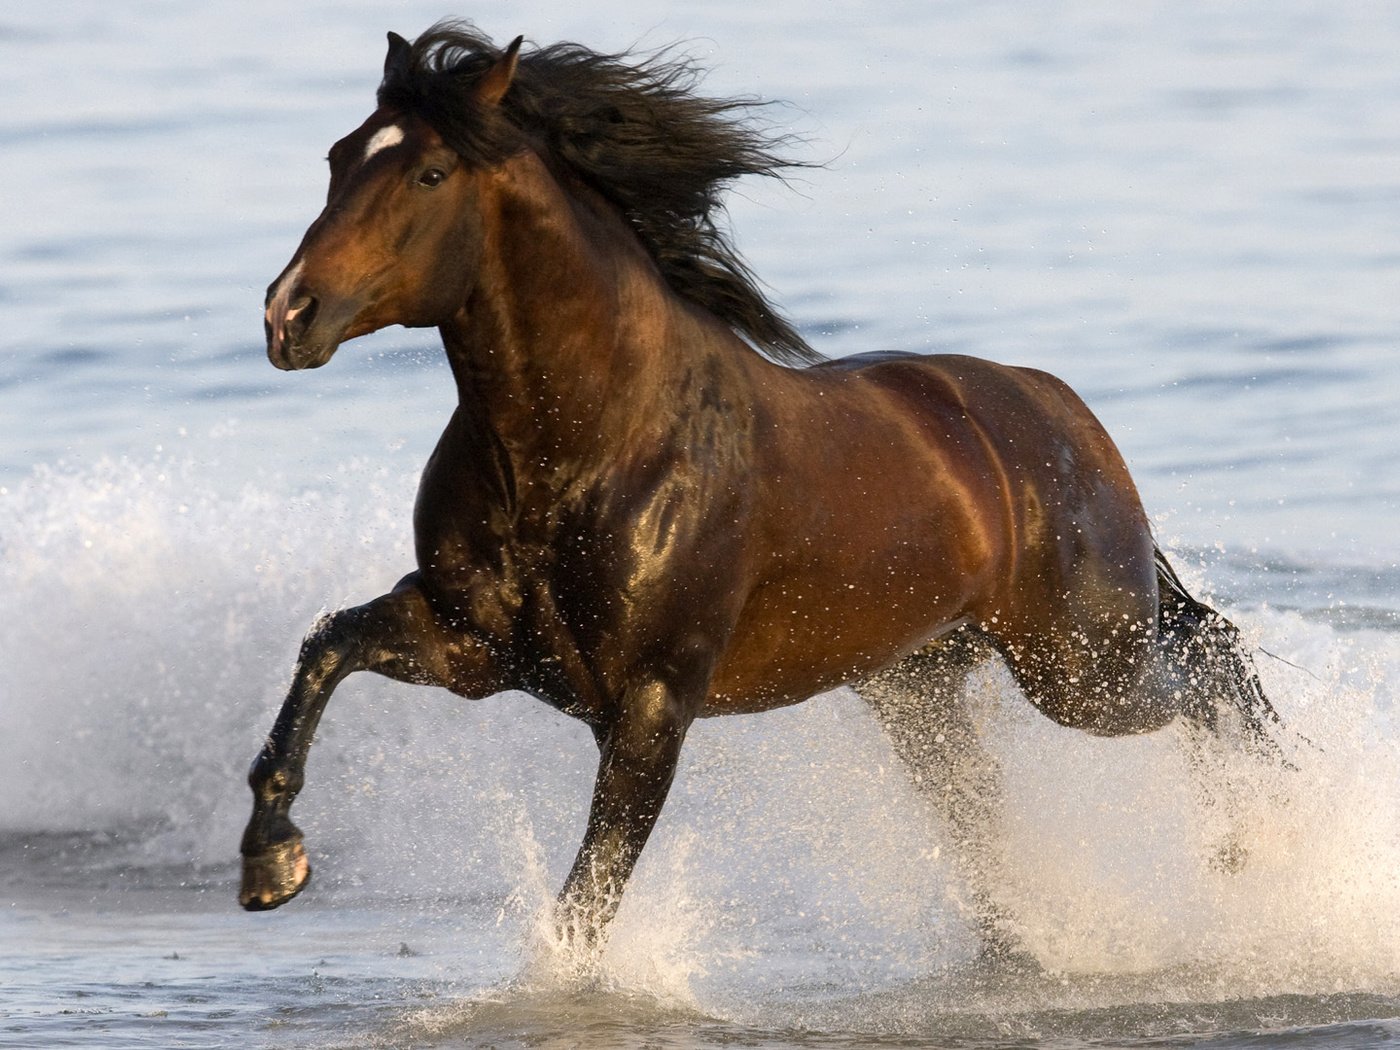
<point x="1188" y="210"/>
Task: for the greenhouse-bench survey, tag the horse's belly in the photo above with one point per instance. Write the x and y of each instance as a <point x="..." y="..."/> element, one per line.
<point x="784" y="656"/>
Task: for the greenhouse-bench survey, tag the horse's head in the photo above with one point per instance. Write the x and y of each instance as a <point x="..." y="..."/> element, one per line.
<point x="399" y="240"/>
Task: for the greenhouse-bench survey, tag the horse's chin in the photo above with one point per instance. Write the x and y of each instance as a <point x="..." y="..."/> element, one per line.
<point x="301" y="356"/>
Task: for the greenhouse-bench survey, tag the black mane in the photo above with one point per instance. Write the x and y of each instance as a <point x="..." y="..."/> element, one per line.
<point x="636" y="133"/>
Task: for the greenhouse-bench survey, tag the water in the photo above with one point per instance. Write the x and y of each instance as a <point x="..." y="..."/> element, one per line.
<point x="1189" y="211"/>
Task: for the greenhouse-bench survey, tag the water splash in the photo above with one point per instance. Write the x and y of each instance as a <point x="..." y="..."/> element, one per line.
<point x="150" y="620"/>
<point x="1110" y="848"/>
<point x="794" y="878"/>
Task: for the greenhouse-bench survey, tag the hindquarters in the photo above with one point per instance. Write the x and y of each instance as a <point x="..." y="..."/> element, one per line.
<point x="1094" y="624"/>
<point x="1076" y="614"/>
<point x="1116" y="673"/>
<point x="1111" y="667"/>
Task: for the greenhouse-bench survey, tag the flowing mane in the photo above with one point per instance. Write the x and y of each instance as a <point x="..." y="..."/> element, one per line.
<point x="636" y="133"/>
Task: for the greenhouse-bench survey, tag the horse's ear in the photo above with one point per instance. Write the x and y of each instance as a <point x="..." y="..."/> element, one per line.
<point x="495" y="82"/>
<point x="397" y="59"/>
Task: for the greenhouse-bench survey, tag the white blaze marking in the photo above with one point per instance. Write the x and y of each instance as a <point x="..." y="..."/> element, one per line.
<point x="389" y="135"/>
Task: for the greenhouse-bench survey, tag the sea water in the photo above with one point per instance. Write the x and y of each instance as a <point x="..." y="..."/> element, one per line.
<point x="1191" y="212"/>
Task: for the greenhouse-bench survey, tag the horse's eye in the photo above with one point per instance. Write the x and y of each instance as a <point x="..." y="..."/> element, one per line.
<point x="432" y="177"/>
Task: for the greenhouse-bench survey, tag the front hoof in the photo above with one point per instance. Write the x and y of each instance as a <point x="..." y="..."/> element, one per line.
<point x="275" y="876"/>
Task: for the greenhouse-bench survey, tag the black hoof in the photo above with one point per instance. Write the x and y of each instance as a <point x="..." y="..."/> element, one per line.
<point x="275" y="876"/>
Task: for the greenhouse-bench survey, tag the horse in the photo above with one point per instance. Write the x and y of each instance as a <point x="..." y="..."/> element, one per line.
<point x="655" y="502"/>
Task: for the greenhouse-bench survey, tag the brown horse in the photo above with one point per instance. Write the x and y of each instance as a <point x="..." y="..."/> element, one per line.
<point x="655" y="503"/>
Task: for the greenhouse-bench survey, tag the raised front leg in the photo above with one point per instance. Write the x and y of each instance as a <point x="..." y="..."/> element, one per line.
<point x="639" y="753"/>
<point x="397" y="635"/>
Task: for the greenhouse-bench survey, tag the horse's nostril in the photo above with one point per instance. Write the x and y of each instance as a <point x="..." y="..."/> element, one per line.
<point x="298" y="317"/>
<point x="301" y="309"/>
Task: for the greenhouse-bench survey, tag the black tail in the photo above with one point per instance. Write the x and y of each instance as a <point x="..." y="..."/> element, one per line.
<point x="1216" y="668"/>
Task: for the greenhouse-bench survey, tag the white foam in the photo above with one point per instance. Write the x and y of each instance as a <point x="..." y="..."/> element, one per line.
<point x="152" y="621"/>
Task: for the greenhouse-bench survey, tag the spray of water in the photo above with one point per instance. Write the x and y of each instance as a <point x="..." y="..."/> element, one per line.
<point x="151" y="625"/>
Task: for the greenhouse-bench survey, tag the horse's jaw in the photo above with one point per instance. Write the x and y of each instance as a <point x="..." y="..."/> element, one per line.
<point x="299" y="357"/>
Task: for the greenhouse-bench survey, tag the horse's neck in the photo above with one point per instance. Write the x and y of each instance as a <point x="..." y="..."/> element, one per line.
<point x="570" y="335"/>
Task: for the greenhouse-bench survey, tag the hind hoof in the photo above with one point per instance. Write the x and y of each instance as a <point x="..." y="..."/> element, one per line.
<point x="1230" y="857"/>
<point x="275" y="876"/>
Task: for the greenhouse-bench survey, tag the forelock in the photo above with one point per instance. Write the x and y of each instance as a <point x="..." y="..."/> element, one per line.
<point x="436" y="81"/>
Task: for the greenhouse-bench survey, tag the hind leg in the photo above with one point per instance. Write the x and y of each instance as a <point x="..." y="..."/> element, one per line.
<point x="1227" y="755"/>
<point x="1109" y="663"/>
<point x="1219" y="788"/>
<point x="1227" y="713"/>
<point x="921" y="704"/>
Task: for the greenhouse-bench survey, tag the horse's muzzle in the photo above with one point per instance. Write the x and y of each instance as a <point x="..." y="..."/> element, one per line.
<point x="286" y="325"/>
